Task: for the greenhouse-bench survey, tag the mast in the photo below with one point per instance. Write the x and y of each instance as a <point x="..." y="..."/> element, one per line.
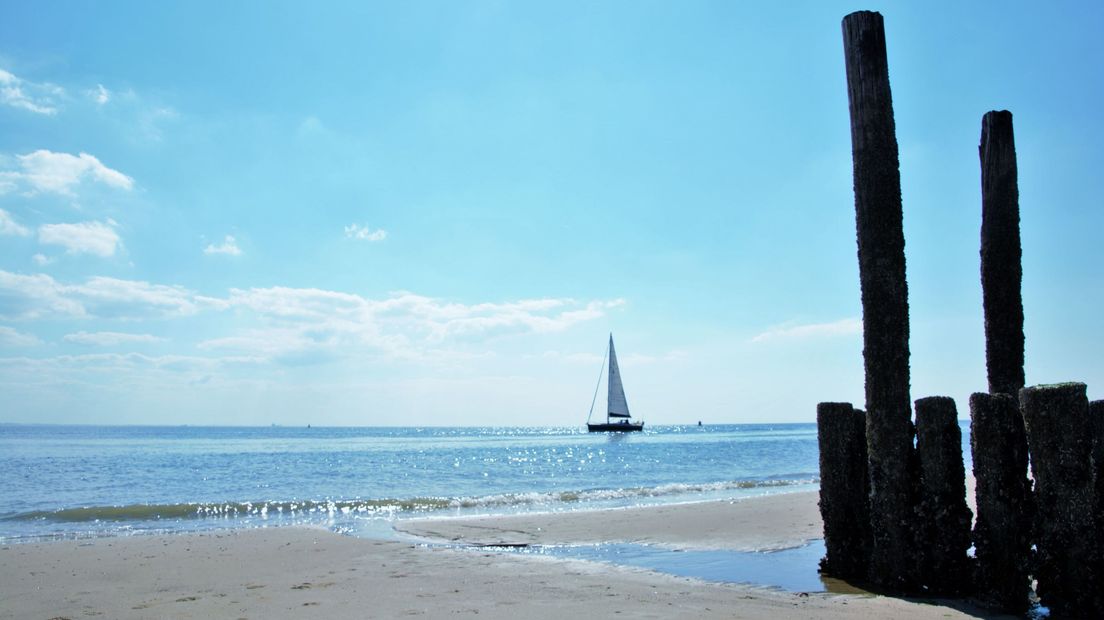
<point x="616" y="407"/>
<point x="598" y="385"/>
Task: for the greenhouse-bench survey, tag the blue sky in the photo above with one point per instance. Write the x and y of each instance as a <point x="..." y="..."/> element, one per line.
<point x="434" y="212"/>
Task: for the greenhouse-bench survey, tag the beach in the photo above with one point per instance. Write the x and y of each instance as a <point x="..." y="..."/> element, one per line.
<point x="310" y="572"/>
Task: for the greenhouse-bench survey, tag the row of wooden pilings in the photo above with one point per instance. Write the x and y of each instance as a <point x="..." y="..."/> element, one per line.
<point x="1049" y="531"/>
<point x="893" y="493"/>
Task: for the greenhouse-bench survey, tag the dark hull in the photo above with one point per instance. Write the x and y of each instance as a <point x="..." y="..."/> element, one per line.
<point x="616" y="427"/>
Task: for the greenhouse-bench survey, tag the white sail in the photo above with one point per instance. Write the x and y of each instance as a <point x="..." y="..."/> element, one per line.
<point x="617" y="408"/>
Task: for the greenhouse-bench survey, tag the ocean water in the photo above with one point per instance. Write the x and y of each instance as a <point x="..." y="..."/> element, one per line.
<point x="80" y="481"/>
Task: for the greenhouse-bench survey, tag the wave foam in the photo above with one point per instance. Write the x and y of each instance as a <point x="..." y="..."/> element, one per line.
<point x="382" y="507"/>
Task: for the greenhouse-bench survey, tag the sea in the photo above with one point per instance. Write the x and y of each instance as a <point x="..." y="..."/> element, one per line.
<point x="71" y="482"/>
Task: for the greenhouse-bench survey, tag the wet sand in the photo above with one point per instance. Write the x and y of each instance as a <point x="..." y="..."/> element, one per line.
<point x="755" y="524"/>
<point x="301" y="572"/>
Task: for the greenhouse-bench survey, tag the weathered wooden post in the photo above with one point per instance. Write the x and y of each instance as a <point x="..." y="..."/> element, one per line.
<point x="1069" y="570"/>
<point x="1096" y="418"/>
<point x="881" y="242"/>
<point x="844" y="490"/>
<point x="944" y="516"/>
<point x="1002" y="534"/>
<point x="1001" y="271"/>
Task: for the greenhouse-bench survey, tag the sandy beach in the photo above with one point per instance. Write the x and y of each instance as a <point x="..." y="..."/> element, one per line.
<point x="302" y="572"/>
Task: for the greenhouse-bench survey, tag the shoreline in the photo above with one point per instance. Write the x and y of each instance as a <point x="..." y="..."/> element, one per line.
<point x="305" y="572"/>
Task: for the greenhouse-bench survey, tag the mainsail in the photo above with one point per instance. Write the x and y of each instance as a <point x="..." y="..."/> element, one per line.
<point x="617" y="407"/>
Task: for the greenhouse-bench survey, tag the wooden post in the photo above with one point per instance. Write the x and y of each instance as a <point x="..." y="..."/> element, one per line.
<point x="844" y="487"/>
<point x="1069" y="570"/>
<point x="944" y="516"/>
<point x="1002" y="535"/>
<point x="881" y="244"/>
<point x="1096" y="418"/>
<point x="1001" y="269"/>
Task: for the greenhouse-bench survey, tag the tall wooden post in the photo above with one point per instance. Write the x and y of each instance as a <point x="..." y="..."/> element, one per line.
<point x="881" y="244"/>
<point x="1001" y="270"/>
<point x="844" y="490"/>
<point x="1067" y="538"/>
<point x="945" y="517"/>
<point x="1002" y="534"/>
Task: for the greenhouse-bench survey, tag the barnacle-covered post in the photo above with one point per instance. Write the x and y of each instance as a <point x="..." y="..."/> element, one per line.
<point x="1001" y="269"/>
<point x="881" y="241"/>
<point x="1067" y="537"/>
<point x="1002" y="533"/>
<point x="944" y="516"/>
<point x="844" y="486"/>
<point x="1096" y="418"/>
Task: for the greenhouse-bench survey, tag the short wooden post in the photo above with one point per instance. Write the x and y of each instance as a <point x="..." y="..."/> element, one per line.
<point x="1069" y="573"/>
<point x="844" y="486"/>
<point x="1001" y="269"/>
<point x="1096" y="419"/>
<point x="881" y="242"/>
<point x="944" y="516"/>
<point x="1002" y="534"/>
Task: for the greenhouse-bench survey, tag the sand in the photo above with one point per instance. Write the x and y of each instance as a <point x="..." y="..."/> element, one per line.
<point x="756" y="524"/>
<point x="300" y="572"/>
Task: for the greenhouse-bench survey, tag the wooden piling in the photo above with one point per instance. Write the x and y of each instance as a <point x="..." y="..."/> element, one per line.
<point x="844" y="487"/>
<point x="1069" y="571"/>
<point x="944" y="516"/>
<point x="1002" y="534"/>
<point x="1096" y="419"/>
<point x="881" y="249"/>
<point x="1001" y="269"/>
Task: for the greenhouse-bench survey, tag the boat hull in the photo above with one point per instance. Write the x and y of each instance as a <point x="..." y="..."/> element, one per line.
<point x="617" y="427"/>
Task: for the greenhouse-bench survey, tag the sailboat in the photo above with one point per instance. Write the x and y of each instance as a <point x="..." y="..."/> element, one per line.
<point x="617" y="409"/>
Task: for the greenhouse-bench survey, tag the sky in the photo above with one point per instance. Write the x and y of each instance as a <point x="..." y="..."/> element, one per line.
<point x="434" y="213"/>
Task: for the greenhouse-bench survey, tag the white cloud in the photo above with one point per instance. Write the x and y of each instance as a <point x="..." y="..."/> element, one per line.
<point x="42" y="260"/>
<point x="585" y="359"/>
<point x="94" y="238"/>
<point x="632" y="359"/>
<point x="364" y="233"/>
<point x="109" y="339"/>
<point x="843" y="327"/>
<point x="263" y="341"/>
<point x="298" y="303"/>
<point x="114" y="363"/>
<point x="301" y="325"/>
<point x="289" y="346"/>
<point x="426" y="317"/>
<point x="533" y="315"/>
<point x="59" y="173"/>
<point x="402" y="325"/>
<point x="228" y="246"/>
<point x="11" y="338"/>
<point x="37" y="98"/>
<point x="35" y="296"/>
<point x="641" y="360"/>
<point x="100" y="94"/>
<point x="39" y="295"/>
<point x="8" y="226"/>
<point x="116" y="298"/>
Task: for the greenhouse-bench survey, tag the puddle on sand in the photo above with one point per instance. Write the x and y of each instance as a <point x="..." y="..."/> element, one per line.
<point x="789" y="569"/>
<point x="794" y="570"/>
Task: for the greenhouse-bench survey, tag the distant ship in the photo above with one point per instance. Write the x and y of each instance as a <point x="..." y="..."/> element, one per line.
<point x="616" y="407"/>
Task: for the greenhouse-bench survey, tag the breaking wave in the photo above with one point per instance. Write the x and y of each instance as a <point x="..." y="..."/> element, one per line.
<point x="385" y="507"/>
